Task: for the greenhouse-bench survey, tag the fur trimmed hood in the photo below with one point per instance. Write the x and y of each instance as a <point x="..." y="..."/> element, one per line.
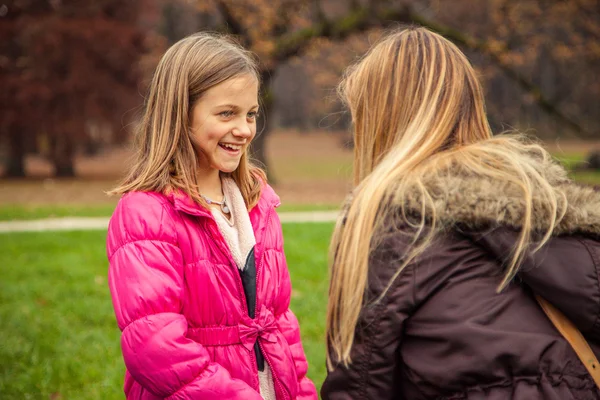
<point x="475" y="203"/>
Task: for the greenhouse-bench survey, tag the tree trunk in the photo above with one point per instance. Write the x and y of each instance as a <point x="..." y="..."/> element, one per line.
<point x="15" y="167"/>
<point x="259" y="148"/>
<point x="64" y="169"/>
<point x="62" y="157"/>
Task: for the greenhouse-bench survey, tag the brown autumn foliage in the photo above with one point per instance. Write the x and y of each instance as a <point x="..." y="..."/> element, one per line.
<point x="69" y="71"/>
<point x="538" y="59"/>
<point x="540" y="71"/>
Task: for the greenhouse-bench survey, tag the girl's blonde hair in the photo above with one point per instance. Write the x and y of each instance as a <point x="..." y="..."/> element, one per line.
<point x="418" y="110"/>
<point x="166" y="160"/>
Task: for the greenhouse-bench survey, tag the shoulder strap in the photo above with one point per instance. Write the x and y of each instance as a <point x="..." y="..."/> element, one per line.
<point x="574" y="337"/>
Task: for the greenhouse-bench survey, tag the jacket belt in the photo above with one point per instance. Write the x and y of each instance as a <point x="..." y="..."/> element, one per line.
<point x="246" y="332"/>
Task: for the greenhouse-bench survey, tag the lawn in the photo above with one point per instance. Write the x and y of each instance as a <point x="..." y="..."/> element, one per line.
<point x="298" y="170"/>
<point x="12" y="212"/>
<point x="58" y="336"/>
<point x="9" y="212"/>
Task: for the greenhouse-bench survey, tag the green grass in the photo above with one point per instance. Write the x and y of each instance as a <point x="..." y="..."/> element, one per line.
<point x="58" y="336"/>
<point x="587" y="177"/>
<point x="15" y="212"/>
<point x="306" y="247"/>
<point x="336" y="168"/>
<point x="571" y="160"/>
<point x="18" y="212"/>
<point x="307" y="207"/>
<point x="316" y="170"/>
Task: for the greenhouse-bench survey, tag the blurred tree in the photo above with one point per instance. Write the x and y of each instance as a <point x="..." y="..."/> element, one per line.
<point x="542" y="59"/>
<point x="65" y="66"/>
<point x="280" y="30"/>
<point x="500" y="35"/>
<point x="70" y="65"/>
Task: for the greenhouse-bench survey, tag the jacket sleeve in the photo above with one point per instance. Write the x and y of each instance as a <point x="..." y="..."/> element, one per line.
<point x="375" y="366"/>
<point x="288" y="325"/>
<point x="565" y="271"/>
<point x="146" y="284"/>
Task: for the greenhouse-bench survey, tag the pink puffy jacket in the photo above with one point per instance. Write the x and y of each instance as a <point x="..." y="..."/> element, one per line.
<point x="180" y="304"/>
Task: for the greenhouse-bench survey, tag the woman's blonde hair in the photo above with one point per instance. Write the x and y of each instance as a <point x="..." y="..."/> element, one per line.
<point x="166" y="160"/>
<point x="418" y="110"/>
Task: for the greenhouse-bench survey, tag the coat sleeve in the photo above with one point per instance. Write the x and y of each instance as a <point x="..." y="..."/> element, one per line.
<point x="288" y="325"/>
<point x="146" y="284"/>
<point x="565" y="271"/>
<point x="375" y="367"/>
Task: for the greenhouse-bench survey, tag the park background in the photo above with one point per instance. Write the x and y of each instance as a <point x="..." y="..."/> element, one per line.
<point x="73" y="74"/>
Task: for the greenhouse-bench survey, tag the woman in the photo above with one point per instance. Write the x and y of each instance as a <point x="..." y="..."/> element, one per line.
<point x="449" y="236"/>
<point x="197" y="275"/>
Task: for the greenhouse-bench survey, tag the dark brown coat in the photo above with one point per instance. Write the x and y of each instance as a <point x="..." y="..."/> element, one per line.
<point x="442" y="331"/>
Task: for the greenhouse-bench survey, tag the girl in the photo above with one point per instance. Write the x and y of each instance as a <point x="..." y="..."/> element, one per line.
<point x="424" y="303"/>
<point x="197" y="274"/>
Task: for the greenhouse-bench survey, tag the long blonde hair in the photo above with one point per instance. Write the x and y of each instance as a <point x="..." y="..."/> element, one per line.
<point x="417" y="109"/>
<point x="166" y="160"/>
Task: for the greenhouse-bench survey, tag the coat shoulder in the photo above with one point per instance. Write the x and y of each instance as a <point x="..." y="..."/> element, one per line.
<point x="269" y="196"/>
<point x="141" y="216"/>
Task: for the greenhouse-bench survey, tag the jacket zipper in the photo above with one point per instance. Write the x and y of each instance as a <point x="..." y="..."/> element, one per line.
<point x="276" y="380"/>
<point x="232" y="264"/>
<point x="260" y="261"/>
<point x="240" y="287"/>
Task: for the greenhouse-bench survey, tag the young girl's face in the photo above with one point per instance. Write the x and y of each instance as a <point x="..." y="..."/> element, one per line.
<point x="223" y="123"/>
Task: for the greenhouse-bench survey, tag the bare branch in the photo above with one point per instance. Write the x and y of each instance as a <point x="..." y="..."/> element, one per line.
<point x="317" y="10"/>
<point x="233" y="26"/>
<point x="356" y="21"/>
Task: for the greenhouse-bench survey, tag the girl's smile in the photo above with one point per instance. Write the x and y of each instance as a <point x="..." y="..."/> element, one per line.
<point x="233" y="149"/>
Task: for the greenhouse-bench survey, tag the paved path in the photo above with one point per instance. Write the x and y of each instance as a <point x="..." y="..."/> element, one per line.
<point x="97" y="223"/>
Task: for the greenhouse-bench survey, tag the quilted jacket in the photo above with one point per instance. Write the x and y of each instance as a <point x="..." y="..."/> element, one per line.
<point x="179" y="301"/>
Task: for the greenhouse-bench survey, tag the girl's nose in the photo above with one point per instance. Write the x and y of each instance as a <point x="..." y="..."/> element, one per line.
<point x="244" y="130"/>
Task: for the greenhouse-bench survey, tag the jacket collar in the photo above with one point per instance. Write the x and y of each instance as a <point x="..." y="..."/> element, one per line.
<point x="268" y="199"/>
<point x="472" y="202"/>
<point x="184" y="203"/>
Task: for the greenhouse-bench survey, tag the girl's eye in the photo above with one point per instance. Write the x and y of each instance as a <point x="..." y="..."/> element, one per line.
<point x="253" y="115"/>
<point x="226" y="114"/>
